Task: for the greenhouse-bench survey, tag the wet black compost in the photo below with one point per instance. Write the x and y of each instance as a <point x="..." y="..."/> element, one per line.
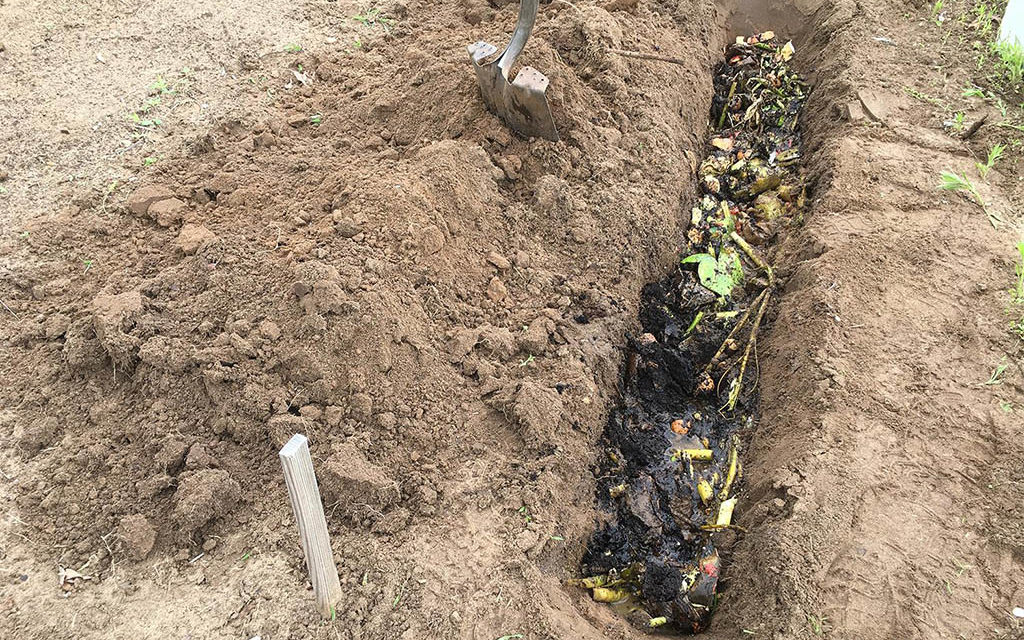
<point x="669" y="482"/>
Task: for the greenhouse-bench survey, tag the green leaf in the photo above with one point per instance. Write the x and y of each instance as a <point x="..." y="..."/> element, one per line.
<point x="720" y="274"/>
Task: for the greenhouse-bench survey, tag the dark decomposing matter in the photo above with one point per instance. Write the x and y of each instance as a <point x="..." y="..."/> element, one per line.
<point x="670" y="480"/>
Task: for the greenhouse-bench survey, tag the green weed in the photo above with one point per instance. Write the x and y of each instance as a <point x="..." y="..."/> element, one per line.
<point x="994" y="154"/>
<point x="1017" y="291"/>
<point x="293" y="48"/>
<point x="996" y="377"/>
<point x="818" y="624"/>
<point x="374" y="17"/>
<point x="924" y="97"/>
<point x="961" y="183"/>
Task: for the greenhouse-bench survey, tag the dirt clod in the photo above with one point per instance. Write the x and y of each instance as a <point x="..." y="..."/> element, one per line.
<point x="143" y="198"/>
<point x="38" y="434"/>
<point x="138" y="535"/>
<point x="194" y="237"/>
<point x="167" y="212"/>
<point x="496" y="290"/>
<point x="358" y="487"/>
<point x="114" y="319"/>
<point x="203" y="496"/>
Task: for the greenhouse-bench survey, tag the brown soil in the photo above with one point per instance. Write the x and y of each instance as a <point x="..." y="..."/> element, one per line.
<point x="368" y="257"/>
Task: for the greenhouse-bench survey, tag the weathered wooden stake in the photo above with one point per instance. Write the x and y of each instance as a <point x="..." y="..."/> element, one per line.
<point x="309" y="515"/>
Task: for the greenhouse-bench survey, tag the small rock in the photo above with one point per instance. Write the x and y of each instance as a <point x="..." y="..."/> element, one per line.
<point x="496" y="290"/>
<point x="138" y="535"/>
<point x="298" y="121"/>
<point x="210" y="545"/>
<point x="194" y="237"/>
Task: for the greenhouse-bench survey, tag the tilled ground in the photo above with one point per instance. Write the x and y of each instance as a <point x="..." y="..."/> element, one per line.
<point x="370" y="258"/>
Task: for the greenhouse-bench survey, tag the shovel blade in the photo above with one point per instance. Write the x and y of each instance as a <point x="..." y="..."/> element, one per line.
<point x="521" y="104"/>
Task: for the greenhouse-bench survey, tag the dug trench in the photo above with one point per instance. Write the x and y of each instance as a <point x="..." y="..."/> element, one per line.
<point x="672" y="472"/>
<point x="370" y="258"/>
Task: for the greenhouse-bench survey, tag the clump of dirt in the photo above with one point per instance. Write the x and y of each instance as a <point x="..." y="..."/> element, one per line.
<point x="672" y="468"/>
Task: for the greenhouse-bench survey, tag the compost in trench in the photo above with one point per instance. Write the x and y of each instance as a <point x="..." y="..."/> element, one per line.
<point x="668" y="484"/>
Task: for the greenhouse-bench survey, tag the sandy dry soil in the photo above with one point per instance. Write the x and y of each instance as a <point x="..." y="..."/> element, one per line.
<point x="219" y="226"/>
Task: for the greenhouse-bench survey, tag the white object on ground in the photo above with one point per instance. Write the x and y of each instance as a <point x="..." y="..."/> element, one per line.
<point x="1012" y="27"/>
<point x="309" y="515"/>
<point x="1018" y="612"/>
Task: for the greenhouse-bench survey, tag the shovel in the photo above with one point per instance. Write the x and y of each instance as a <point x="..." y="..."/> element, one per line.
<point x="521" y="103"/>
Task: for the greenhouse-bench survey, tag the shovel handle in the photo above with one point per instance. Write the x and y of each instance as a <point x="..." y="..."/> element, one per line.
<point x="524" y="26"/>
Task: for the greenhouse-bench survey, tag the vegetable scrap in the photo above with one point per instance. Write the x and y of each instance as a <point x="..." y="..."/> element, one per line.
<point x="673" y="448"/>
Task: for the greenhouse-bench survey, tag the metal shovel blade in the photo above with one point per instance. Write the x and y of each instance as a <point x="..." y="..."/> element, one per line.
<point x="521" y="103"/>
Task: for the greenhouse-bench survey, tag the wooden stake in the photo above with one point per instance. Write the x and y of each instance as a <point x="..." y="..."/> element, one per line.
<point x="309" y="515"/>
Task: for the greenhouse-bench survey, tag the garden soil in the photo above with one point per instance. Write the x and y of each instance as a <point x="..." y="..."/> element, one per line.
<point x="221" y="225"/>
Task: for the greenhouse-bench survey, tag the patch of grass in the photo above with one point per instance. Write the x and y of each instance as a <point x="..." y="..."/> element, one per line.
<point x="293" y="48"/>
<point x="958" y="121"/>
<point x="994" y="154"/>
<point x="1009" y="61"/>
